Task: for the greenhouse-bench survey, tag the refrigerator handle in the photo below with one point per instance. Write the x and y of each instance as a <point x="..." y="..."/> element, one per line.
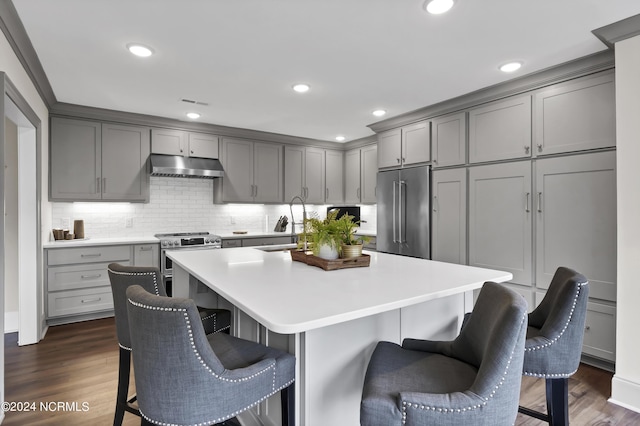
<point x="400" y="183"/>
<point x="394" y="212"/>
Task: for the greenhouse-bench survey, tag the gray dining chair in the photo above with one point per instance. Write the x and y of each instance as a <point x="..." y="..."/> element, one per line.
<point x="121" y="277"/>
<point x="554" y="342"/>
<point x="185" y="377"/>
<point x="472" y="380"/>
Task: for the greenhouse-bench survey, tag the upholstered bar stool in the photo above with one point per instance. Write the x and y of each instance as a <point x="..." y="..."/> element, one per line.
<point x="472" y="380"/>
<point x="185" y="377"/>
<point x="121" y="277"/>
<point x="554" y="342"/>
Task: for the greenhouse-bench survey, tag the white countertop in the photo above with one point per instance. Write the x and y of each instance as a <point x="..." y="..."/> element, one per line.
<point x="290" y="297"/>
<point x="100" y="242"/>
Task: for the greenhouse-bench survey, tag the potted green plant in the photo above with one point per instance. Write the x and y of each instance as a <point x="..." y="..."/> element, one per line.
<point x="322" y="236"/>
<point x="351" y="245"/>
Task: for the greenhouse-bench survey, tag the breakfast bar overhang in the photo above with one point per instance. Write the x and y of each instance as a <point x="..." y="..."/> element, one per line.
<point x="330" y="320"/>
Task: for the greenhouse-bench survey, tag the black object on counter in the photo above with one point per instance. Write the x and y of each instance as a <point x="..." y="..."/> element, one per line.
<point x="350" y="210"/>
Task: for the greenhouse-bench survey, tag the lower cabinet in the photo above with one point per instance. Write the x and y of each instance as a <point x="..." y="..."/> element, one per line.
<point x="257" y="241"/>
<point x="77" y="284"/>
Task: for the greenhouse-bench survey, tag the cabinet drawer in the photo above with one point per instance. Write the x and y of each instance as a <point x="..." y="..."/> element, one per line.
<point x="255" y="242"/>
<point x="78" y="276"/>
<point x="82" y="301"/>
<point x="88" y="255"/>
<point x="231" y="243"/>
<point x="600" y="331"/>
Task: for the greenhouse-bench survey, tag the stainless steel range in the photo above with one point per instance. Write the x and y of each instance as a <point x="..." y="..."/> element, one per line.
<point x="183" y="241"/>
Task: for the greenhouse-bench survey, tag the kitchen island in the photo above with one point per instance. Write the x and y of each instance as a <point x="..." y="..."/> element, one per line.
<point x="331" y="321"/>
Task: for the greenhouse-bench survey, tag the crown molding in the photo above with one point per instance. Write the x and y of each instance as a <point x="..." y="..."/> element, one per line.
<point x="597" y="62"/>
<point x="618" y="31"/>
<point x="359" y="143"/>
<point x="16" y="35"/>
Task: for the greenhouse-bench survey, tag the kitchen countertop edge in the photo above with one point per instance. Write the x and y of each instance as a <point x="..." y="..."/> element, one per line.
<point x="99" y="242"/>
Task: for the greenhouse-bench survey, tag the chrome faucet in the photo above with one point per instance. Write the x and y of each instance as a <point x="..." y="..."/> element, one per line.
<point x="304" y="219"/>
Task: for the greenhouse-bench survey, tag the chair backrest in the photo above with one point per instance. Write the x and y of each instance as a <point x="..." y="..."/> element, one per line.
<point x="174" y="364"/>
<point x="121" y="277"/>
<point x="557" y="325"/>
<point x="493" y="340"/>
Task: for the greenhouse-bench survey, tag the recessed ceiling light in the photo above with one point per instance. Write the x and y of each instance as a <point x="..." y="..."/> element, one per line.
<point x="340" y="138"/>
<point x="140" y="50"/>
<point x="510" y="67"/>
<point x="436" y="7"/>
<point x="193" y="115"/>
<point x="301" y="87"/>
<point x="379" y="112"/>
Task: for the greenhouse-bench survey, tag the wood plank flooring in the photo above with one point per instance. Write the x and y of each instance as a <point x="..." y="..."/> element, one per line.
<point x="78" y="363"/>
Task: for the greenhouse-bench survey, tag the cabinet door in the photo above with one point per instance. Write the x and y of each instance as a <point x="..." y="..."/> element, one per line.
<point x="168" y="141"/>
<point x="449" y="135"/>
<point x="75" y="160"/>
<point x="237" y="160"/>
<point x="368" y="173"/>
<point x="203" y="145"/>
<point x="293" y="172"/>
<point x="352" y="176"/>
<point x="500" y="209"/>
<point x="267" y="173"/>
<point x="125" y="151"/>
<point x="576" y="116"/>
<point x="334" y="177"/>
<point x="576" y="219"/>
<point x="314" y="176"/>
<point x="389" y="148"/>
<point x="449" y="217"/>
<point x="146" y="255"/>
<point x="500" y="130"/>
<point x="416" y="143"/>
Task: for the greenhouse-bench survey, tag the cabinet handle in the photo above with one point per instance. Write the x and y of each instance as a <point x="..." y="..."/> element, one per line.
<point x="435" y="203"/>
<point x="181" y="150"/>
<point x="326" y="194"/>
<point x="104" y="185"/>
<point x="435" y="160"/>
<point x="375" y="191"/>
<point x="256" y="193"/>
<point x="91" y="300"/>
<point x="587" y="328"/>
<point x="526" y="202"/>
<point x="86" y="277"/>
<point x="91" y="255"/>
<point x="146" y="248"/>
<point x="526" y="149"/>
<point x="539" y="147"/>
<point x="358" y="193"/>
<point x="398" y="160"/>
<point x="403" y="160"/>
<point x="98" y="190"/>
<point x="191" y="151"/>
<point x="540" y="202"/>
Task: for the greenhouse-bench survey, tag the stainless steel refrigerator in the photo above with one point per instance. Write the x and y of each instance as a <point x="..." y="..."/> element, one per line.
<point x="403" y="212"/>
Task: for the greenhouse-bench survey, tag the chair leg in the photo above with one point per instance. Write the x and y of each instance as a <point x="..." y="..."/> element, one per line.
<point x="122" y="404"/>
<point x="287" y="402"/>
<point x="558" y="401"/>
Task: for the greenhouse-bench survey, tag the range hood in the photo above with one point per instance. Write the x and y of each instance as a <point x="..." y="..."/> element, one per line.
<point x="178" y="166"/>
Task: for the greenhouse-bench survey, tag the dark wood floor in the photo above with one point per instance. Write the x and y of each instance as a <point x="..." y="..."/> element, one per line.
<point x="78" y="363"/>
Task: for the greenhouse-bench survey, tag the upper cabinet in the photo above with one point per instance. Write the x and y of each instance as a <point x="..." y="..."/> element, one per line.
<point x="98" y="161"/>
<point x="187" y="144"/>
<point x="334" y="176"/>
<point x="449" y="136"/>
<point x="253" y="172"/>
<point x="304" y="173"/>
<point x="405" y="146"/>
<point x="576" y="116"/>
<point x="500" y="130"/>
<point x="361" y="168"/>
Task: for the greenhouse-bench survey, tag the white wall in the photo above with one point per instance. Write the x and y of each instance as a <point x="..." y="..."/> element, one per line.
<point x="626" y="382"/>
<point x="181" y="205"/>
<point x="11" y="226"/>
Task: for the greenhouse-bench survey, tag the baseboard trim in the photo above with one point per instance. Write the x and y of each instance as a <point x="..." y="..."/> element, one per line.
<point x="11" y="322"/>
<point x="625" y="393"/>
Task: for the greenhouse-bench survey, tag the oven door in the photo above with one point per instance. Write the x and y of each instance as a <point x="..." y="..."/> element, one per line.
<point x="166" y="264"/>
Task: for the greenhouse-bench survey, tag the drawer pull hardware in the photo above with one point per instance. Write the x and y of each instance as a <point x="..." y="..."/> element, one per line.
<point x="86" y="277"/>
<point x="91" y="255"/>
<point x="526" y="202"/>
<point x="146" y="248"/>
<point x="587" y="328"/>
<point x="91" y="300"/>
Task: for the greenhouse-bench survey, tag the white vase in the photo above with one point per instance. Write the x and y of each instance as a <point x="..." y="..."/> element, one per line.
<point x="327" y="252"/>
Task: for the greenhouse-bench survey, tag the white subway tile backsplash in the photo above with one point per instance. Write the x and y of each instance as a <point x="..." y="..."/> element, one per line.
<point x="184" y="205"/>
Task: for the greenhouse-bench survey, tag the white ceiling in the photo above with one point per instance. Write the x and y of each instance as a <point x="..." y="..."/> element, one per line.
<point x="243" y="56"/>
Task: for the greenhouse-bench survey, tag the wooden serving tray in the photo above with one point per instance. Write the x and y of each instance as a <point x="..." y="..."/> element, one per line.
<point x="329" y="265"/>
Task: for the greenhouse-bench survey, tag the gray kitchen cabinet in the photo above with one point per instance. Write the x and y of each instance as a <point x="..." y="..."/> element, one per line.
<point x="406" y="146"/>
<point x="146" y="255"/>
<point x="187" y="144"/>
<point x="231" y="242"/>
<point x="361" y="168"/>
<point x="576" y="116"/>
<point x="500" y="219"/>
<point x="98" y="161"/>
<point x="449" y="140"/>
<point x="575" y="208"/>
<point x="304" y="173"/>
<point x="253" y="171"/>
<point x="449" y="216"/>
<point x="500" y="130"/>
<point x="334" y="177"/>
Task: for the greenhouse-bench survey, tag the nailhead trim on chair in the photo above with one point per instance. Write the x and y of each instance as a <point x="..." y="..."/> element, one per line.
<point x="195" y="350"/>
<point x="555" y="340"/>
<point x="408" y="404"/>
<point x="155" y="281"/>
